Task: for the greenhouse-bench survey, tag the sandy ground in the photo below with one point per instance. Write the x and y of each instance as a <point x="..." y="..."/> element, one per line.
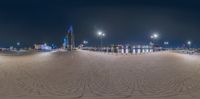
<point x="93" y="75"/>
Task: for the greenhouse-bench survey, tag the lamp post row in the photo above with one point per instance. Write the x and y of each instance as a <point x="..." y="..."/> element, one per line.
<point x="154" y="38"/>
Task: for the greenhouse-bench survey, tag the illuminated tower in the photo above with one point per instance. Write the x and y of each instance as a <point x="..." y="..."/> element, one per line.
<point x="70" y="38"/>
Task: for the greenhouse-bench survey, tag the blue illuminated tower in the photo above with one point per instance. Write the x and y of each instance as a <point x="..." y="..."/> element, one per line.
<point x="70" y="38"/>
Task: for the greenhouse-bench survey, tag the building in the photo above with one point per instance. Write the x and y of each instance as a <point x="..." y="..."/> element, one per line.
<point x="44" y="47"/>
<point x="70" y="38"/>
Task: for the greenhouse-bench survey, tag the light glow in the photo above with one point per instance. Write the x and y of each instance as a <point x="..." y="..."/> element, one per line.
<point x="154" y="36"/>
<point x="189" y="42"/>
<point x="100" y="33"/>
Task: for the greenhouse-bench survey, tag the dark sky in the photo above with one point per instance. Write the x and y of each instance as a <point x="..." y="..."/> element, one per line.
<point x="123" y="21"/>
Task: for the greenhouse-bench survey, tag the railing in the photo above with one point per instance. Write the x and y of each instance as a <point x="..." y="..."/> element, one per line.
<point x="125" y="50"/>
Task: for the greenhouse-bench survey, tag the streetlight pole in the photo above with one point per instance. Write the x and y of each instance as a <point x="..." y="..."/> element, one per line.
<point x="101" y="35"/>
<point x="189" y="44"/>
<point x="154" y="38"/>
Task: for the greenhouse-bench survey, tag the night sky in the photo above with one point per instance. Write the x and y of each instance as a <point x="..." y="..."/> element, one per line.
<point x="123" y="21"/>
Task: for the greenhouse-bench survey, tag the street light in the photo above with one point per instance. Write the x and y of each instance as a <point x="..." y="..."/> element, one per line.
<point x="154" y="37"/>
<point x="101" y="35"/>
<point x="189" y="43"/>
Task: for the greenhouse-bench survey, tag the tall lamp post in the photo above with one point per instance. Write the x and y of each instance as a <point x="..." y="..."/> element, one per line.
<point x="154" y="37"/>
<point x="101" y="35"/>
<point x="189" y="43"/>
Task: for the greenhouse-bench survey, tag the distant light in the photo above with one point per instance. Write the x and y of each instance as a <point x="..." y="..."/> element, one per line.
<point x="154" y="36"/>
<point x="100" y="33"/>
<point x="85" y="42"/>
<point x="11" y="47"/>
<point x="166" y="43"/>
<point x="103" y="34"/>
<point x="189" y="42"/>
<point x="18" y="43"/>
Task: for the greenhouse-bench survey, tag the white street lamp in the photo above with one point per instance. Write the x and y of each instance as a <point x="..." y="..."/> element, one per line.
<point x="101" y="35"/>
<point x="154" y="37"/>
<point x="189" y="43"/>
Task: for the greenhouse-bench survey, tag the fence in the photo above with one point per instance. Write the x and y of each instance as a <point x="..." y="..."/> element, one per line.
<point x="138" y="49"/>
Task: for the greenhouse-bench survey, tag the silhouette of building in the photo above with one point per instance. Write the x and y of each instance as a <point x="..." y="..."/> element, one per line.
<point x="70" y="38"/>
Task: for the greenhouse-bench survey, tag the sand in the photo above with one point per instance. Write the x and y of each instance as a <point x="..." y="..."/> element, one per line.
<point x="95" y="75"/>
